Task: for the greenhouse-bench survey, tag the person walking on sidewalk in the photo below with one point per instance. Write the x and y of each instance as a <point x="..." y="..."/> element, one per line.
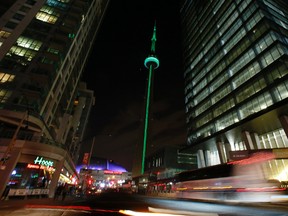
<point x="58" y="191"/>
<point x="64" y="191"/>
<point x="6" y="192"/>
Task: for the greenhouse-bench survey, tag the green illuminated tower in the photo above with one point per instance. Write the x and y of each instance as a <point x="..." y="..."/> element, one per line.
<point x="151" y="62"/>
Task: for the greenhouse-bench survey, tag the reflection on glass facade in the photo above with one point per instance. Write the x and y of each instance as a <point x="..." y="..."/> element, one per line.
<point x="232" y="58"/>
<point x="236" y="79"/>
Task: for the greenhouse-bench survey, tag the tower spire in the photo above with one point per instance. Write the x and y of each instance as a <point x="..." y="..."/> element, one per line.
<point x="153" y="40"/>
<point x="151" y="62"/>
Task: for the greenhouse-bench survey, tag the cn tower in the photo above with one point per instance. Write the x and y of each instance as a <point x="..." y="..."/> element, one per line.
<point x="152" y="63"/>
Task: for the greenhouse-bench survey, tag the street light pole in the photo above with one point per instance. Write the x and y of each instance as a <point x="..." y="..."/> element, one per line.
<point x="91" y="151"/>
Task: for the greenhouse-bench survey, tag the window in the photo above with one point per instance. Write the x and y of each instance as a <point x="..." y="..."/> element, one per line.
<point x="29" y="43"/>
<point x="4" y="95"/>
<point x="20" y="51"/>
<point x="30" y="2"/>
<point x="281" y="91"/>
<point x="58" y="3"/>
<point x="54" y="51"/>
<point x="47" y="14"/>
<point x="250" y="90"/>
<point x="11" y="25"/>
<point x="273" y="139"/>
<point x="18" y="16"/>
<point x="24" y="9"/>
<point x="46" y="17"/>
<point x="4" y="34"/>
<point x="255" y="105"/>
<point x="4" y="77"/>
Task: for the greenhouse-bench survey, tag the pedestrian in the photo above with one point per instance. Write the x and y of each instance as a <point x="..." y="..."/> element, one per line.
<point x="6" y="192"/>
<point x="58" y="192"/>
<point x="64" y="191"/>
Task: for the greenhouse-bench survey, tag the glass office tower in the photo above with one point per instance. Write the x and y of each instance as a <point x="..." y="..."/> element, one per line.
<point x="44" y="107"/>
<point x="236" y="79"/>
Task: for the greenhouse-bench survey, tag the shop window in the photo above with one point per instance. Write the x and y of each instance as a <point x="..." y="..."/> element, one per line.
<point x="30" y="176"/>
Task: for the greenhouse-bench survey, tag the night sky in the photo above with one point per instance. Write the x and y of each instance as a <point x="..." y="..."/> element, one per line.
<point x="116" y="73"/>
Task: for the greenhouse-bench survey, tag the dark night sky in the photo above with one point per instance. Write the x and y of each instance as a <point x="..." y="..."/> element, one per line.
<point x="116" y="73"/>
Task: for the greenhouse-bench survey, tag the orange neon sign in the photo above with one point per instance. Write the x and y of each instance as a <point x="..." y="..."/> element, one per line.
<point x="36" y="166"/>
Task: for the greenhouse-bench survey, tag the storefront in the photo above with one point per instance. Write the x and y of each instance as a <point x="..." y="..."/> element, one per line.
<point x="37" y="170"/>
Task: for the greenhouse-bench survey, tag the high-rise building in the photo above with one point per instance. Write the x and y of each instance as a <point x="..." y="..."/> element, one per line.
<point x="44" y="107"/>
<point x="236" y="79"/>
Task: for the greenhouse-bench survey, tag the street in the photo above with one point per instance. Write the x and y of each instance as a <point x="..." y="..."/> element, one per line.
<point x="127" y="204"/>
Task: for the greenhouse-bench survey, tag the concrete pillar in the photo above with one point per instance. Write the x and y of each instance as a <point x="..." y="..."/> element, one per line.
<point x="221" y="153"/>
<point x="55" y="178"/>
<point x="256" y="141"/>
<point x="284" y="122"/>
<point x="207" y="154"/>
<point x="247" y="140"/>
<point x="7" y="168"/>
<point x="201" y="158"/>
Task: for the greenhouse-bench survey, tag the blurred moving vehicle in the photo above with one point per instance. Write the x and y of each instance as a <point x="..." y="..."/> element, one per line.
<point x="240" y="182"/>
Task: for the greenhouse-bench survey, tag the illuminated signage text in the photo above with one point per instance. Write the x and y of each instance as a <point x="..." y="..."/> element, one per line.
<point x="41" y="161"/>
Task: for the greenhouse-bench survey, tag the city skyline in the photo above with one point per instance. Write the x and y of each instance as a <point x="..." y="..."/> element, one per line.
<point x="117" y="74"/>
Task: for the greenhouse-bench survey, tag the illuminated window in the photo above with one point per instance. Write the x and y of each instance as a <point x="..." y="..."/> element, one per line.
<point x="49" y="10"/>
<point x="54" y="51"/>
<point x="4" y="34"/>
<point x="29" y="43"/>
<point x="4" y="95"/>
<point x="46" y="17"/>
<point x="58" y="3"/>
<point x="20" y="51"/>
<point x="47" y="14"/>
<point x="4" y="77"/>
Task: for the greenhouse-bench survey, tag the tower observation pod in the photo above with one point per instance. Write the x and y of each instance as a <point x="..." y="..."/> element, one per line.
<point x="151" y="62"/>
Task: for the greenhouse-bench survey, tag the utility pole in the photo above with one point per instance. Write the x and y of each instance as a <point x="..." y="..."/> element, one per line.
<point x="91" y="152"/>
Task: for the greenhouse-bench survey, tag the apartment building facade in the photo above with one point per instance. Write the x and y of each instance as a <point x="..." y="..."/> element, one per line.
<point x="44" y="46"/>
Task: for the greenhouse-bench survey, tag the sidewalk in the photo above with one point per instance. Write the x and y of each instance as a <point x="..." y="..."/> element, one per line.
<point x="40" y="201"/>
